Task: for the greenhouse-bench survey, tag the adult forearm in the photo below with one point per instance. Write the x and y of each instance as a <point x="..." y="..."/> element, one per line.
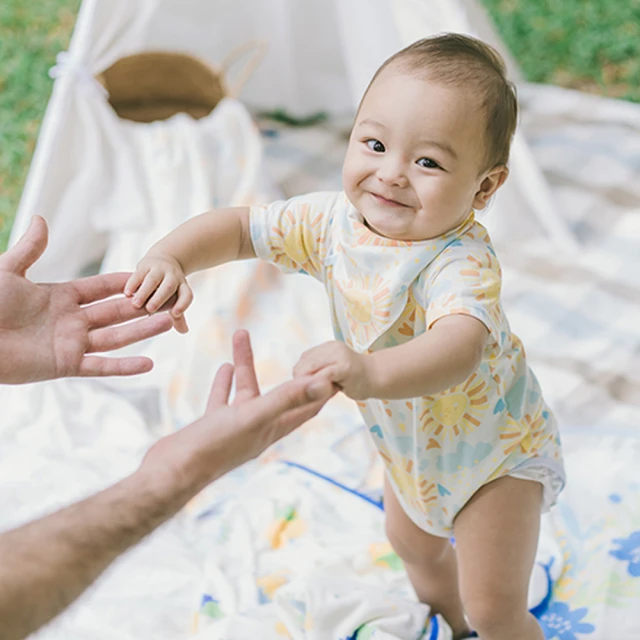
<point x="208" y="240"/>
<point x="45" y="565"/>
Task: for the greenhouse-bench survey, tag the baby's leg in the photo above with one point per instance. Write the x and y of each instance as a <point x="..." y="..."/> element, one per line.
<point x="430" y="562"/>
<point x="496" y="539"/>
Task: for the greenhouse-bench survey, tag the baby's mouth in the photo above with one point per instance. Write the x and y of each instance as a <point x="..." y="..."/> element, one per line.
<point x="388" y="201"/>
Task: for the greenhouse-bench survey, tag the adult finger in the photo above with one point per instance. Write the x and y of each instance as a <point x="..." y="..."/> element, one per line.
<point x="246" y="379"/>
<point x="94" y="288"/>
<point x="221" y="387"/>
<point x="99" y="366"/>
<point x="294" y="418"/>
<point x="109" y="338"/>
<point x="275" y="421"/>
<point x="111" y="312"/>
<point x="28" y="249"/>
<point x="295" y="394"/>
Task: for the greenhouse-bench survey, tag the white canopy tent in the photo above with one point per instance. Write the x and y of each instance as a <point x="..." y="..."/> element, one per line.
<point x="86" y="177"/>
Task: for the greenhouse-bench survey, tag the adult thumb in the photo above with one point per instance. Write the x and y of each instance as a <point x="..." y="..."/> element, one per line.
<point x="28" y="249"/>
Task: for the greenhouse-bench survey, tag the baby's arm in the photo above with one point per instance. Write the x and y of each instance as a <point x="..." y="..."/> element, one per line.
<point x="435" y="361"/>
<point x="205" y="241"/>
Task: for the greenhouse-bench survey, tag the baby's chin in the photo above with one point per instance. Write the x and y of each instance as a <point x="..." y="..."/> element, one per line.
<point x="388" y="234"/>
<point x="375" y="230"/>
<point x="402" y="230"/>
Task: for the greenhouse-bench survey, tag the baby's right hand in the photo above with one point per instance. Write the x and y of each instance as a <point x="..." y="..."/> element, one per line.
<point x="155" y="280"/>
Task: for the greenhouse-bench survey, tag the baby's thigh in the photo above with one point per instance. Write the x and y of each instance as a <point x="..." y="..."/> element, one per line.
<point x="496" y="540"/>
<point x="411" y="543"/>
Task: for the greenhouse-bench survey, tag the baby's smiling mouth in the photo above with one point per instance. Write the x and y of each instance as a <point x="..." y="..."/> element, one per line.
<point x="388" y="201"/>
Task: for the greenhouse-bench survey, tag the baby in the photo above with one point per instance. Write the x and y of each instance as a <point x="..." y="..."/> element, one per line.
<point x="422" y="343"/>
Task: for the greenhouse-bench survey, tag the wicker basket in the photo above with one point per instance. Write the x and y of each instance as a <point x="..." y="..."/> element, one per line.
<point x="156" y="85"/>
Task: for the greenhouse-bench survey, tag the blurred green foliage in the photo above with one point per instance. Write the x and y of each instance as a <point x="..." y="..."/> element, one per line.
<point x="592" y="45"/>
<point x="31" y="34"/>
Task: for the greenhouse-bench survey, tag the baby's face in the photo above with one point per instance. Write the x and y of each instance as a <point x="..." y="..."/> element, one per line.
<point x="413" y="168"/>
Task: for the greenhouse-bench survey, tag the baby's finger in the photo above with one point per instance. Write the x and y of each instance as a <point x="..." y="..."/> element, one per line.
<point x="134" y="281"/>
<point x="308" y="366"/>
<point x="185" y="298"/>
<point x="167" y="288"/>
<point x="313" y="360"/>
<point x="335" y="374"/>
<point x="302" y="368"/>
<point x="150" y="283"/>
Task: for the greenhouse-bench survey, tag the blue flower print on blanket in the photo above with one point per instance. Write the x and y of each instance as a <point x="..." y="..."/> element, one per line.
<point x="629" y="551"/>
<point x="560" y="623"/>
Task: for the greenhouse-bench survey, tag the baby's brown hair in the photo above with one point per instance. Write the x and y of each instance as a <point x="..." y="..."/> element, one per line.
<point x="460" y="60"/>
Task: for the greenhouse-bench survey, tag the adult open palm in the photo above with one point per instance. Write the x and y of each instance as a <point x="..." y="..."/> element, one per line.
<point x="51" y="330"/>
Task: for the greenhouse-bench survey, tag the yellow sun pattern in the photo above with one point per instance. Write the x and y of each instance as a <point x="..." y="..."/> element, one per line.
<point x="458" y="410"/>
<point x="367" y="304"/>
<point x="437" y="449"/>
<point x="301" y="241"/>
<point x="414" y="487"/>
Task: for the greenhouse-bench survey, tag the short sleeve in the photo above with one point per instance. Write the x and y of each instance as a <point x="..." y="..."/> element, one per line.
<point x="293" y="234"/>
<point x="467" y="281"/>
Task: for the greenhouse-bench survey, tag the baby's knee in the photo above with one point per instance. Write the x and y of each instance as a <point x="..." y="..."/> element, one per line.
<point x="415" y="546"/>
<point x="492" y="610"/>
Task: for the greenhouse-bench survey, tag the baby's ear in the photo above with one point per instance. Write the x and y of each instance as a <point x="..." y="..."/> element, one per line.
<point x="490" y="184"/>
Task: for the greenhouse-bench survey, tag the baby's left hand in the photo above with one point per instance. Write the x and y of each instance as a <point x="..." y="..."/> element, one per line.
<point x="347" y="369"/>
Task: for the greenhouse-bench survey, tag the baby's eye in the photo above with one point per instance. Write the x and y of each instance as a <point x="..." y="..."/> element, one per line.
<point x="375" y="145"/>
<point x="428" y="163"/>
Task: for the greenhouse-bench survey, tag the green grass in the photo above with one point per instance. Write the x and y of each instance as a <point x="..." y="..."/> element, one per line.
<point x="593" y="45"/>
<point x="31" y="34"/>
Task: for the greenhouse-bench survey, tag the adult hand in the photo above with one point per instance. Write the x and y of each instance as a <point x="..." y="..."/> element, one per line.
<point x="48" y="330"/>
<point x="38" y="580"/>
<point x="229" y="434"/>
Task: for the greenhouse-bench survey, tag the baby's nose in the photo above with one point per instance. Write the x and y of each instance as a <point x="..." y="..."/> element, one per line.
<point x="392" y="172"/>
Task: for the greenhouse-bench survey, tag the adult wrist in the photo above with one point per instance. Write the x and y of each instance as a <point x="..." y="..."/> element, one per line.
<point x="170" y="472"/>
<point x="187" y="461"/>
